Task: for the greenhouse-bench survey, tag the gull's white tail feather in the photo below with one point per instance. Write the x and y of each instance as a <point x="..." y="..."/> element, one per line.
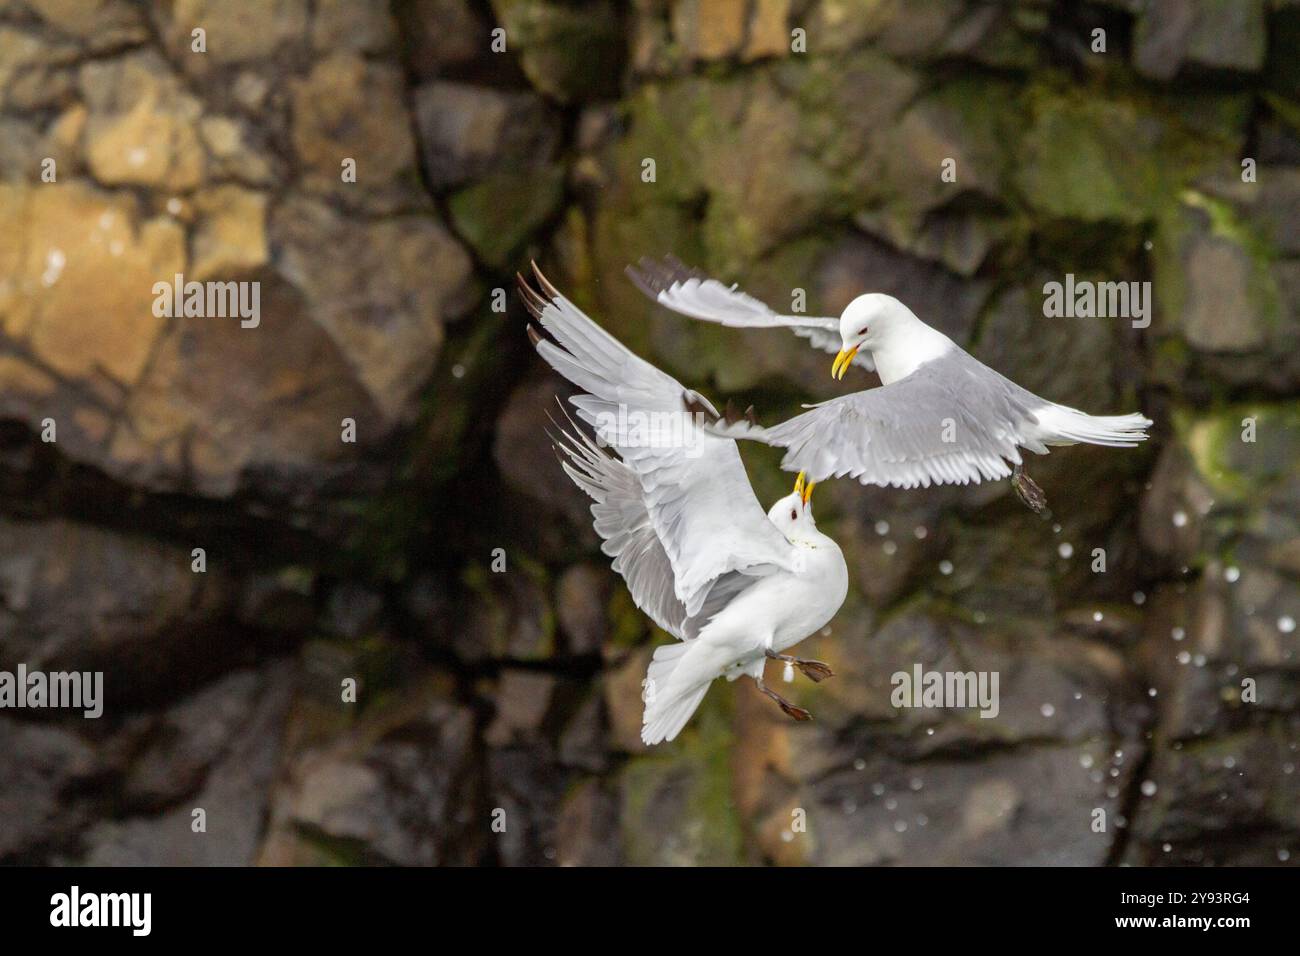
<point x="1060" y="424"/>
<point x="668" y="706"/>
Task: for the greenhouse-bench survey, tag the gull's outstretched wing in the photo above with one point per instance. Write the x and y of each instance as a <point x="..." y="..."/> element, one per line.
<point x="952" y="421"/>
<point x="694" y="488"/>
<point x="624" y="525"/>
<point x="690" y="292"/>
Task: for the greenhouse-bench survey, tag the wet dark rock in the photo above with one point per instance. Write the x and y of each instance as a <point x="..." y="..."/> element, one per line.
<point x="41" y="768"/>
<point x="217" y="753"/>
<point x="1171" y="35"/>
<point x="468" y="132"/>
<point x="77" y="597"/>
<point x="389" y="789"/>
<point x="581" y="601"/>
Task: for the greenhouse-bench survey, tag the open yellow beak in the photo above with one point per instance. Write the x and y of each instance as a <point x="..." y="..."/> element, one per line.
<point x="842" y="362"/>
<point x="804" y="491"/>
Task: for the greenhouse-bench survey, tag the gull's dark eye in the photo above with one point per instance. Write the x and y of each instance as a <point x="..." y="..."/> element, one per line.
<point x="862" y="331"/>
<point x="794" y="515"/>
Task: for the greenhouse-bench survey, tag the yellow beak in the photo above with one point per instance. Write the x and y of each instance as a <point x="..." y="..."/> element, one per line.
<point x="842" y="362"/>
<point x="804" y="491"/>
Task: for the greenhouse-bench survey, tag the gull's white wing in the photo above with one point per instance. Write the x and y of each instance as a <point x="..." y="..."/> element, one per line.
<point x="694" y="488"/>
<point x="624" y="525"/>
<point x="692" y="293"/>
<point x="952" y="421"/>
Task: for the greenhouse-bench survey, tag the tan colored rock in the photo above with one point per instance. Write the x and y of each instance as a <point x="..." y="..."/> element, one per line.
<point x="236" y="32"/>
<point x="369" y="285"/>
<point x="347" y="108"/>
<point x="33" y="72"/>
<point x="231" y="237"/>
<point x="769" y="30"/>
<point x="142" y="129"/>
<point x="710" y="29"/>
<point x="102" y="24"/>
<point x="220" y="402"/>
<point x="348" y="25"/>
<point x="65" y="247"/>
<point x="233" y="157"/>
<point x="144" y="148"/>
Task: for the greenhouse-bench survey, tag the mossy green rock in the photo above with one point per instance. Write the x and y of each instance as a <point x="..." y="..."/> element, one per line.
<point x="497" y="214"/>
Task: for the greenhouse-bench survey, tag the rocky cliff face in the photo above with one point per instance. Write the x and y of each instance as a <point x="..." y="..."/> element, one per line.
<point x="796" y="146"/>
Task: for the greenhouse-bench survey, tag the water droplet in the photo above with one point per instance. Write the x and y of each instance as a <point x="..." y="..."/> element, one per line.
<point x="878" y="789"/>
<point x="900" y="826"/>
<point x="458" y="371"/>
<point x="1286" y="624"/>
<point x="1139" y="598"/>
<point x="920" y="532"/>
<point x="1097" y="615"/>
<point x="1148" y="788"/>
<point x="1180" y="519"/>
<point x="1065" y="549"/>
<point x="882" y="528"/>
<point x="1284" y="855"/>
<point x="55" y="260"/>
<point x="945" y="567"/>
<point x="916" y="783"/>
<point x="1231" y="574"/>
<point x="859" y="764"/>
<point x="1047" y="710"/>
<point x="1085" y="761"/>
<point x="1178" y="633"/>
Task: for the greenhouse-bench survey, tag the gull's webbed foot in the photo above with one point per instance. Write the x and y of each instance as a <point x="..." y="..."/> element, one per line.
<point x="815" y="671"/>
<point x="798" y="713"/>
<point x="1028" y="491"/>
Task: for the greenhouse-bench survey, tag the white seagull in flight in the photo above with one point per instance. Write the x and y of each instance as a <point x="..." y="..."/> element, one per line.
<point x="680" y="521"/>
<point x="940" y="416"/>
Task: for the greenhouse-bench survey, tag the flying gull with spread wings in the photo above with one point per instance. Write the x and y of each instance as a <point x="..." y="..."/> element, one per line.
<point x="940" y="415"/>
<point x="678" y="516"/>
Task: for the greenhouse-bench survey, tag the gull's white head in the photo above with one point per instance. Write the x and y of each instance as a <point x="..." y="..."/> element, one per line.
<point x="870" y="322"/>
<point x="793" y="514"/>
